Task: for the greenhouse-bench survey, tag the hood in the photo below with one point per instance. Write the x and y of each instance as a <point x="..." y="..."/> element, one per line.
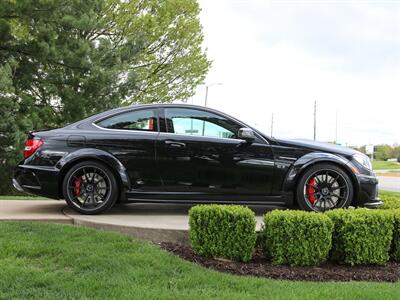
<point x="317" y="146"/>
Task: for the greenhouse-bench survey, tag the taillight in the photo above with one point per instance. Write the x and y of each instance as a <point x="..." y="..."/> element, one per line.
<point x="31" y="145"/>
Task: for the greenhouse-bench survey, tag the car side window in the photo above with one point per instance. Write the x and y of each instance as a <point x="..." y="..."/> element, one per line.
<point x="199" y="123"/>
<point x="145" y="120"/>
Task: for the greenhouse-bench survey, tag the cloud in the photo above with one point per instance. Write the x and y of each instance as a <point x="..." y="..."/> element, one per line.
<point x="281" y="56"/>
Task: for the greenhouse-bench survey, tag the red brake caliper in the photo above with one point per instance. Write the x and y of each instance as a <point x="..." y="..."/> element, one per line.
<point x="311" y="190"/>
<point x="77" y="186"/>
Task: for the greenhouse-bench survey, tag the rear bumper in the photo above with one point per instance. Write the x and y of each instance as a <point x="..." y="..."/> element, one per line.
<point x="368" y="192"/>
<point x="17" y="186"/>
<point x="37" y="180"/>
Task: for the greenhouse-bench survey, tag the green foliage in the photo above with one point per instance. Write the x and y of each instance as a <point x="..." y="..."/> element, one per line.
<point x="54" y="261"/>
<point x="391" y="200"/>
<point x="226" y="231"/>
<point x="384" y="152"/>
<point x="297" y="238"/>
<point x="395" y="251"/>
<point x="361" y="236"/>
<point x="385" y="165"/>
<point x="61" y="61"/>
<point x="171" y="61"/>
<point x="9" y="138"/>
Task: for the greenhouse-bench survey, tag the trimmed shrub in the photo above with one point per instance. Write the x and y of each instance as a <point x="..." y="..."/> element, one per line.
<point x="391" y="200"/>
<point x="361" y="236"/>
<point x="395" y="251"/>
<point x="223" y="231"/>
<point x="297" y="238"/>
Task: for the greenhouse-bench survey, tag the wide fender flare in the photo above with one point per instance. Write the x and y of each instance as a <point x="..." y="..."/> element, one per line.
<point x="304" y="162"/>
<point x="95" y="154"/>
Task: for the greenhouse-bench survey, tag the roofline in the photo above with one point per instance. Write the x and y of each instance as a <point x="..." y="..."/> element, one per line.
<point x="178" y="105"/>
<point x="122" y="109"/>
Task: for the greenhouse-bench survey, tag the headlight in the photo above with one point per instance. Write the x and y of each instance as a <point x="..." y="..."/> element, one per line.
<point x="363" y="160"/>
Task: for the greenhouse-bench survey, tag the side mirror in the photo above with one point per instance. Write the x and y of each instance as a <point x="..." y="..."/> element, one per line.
<point x="246" y="134"/>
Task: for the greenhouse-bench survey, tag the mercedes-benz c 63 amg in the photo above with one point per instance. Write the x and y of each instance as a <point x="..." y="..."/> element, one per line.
<point x="173" y="153"/>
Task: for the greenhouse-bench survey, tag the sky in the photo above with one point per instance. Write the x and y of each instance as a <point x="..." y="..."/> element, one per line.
<point x="280" y="56"/>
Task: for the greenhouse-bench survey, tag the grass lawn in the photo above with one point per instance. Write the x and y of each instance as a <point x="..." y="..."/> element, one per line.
<point x="61" y="261"/>
<point x="385" y="165"/>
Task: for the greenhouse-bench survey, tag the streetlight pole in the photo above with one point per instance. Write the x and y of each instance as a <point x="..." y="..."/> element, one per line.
<point x="315" y="120"/>
<point x="207" y="86"/>
<point x="205" y="103"/>
<point x="336" y="128"/>
<point x="205" y="100"/>
<point x="272" y="124"/>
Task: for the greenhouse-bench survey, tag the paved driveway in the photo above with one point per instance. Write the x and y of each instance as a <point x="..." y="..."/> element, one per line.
<point x="387" y="183"/>
<point x="33" y="210"/>
<point x="166" y="216"/>
<point x="153" y="222"/>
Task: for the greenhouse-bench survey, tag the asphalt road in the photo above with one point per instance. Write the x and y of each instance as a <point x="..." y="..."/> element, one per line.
<point x="389" y="183"/>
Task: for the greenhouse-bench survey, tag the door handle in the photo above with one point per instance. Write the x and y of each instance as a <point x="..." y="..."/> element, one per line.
<point x="175" y="144"/>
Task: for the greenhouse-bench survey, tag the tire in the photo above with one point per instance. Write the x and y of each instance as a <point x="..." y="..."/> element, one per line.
<point x="323" y="187"/>
<point x="90" y="187"/>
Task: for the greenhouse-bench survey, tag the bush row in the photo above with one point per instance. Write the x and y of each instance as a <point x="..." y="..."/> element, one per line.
<point x="361" y="236"/>
<point x="297" y="238"/>
<point x="223" y="231"/>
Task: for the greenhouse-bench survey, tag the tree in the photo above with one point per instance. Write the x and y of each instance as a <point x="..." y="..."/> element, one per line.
<point x="171" y="61"/>
<point x="63" y="60"/>
<point x="384" y="152"/>
<point x="9" y="139"/>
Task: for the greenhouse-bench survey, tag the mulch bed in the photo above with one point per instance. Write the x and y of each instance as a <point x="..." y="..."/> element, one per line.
<point x="260" y="267"/>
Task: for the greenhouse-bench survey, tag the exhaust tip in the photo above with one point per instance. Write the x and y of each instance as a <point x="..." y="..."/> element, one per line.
<point x="17" y="186"/>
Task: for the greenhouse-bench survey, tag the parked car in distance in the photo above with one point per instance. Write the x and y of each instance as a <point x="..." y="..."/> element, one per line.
<point x="177" y="153"/>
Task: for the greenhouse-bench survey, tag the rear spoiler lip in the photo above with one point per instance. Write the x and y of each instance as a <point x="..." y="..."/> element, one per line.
<point x="32" y="133"/>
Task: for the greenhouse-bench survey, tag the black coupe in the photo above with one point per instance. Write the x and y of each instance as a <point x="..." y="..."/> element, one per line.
<point x="187" y="154"/>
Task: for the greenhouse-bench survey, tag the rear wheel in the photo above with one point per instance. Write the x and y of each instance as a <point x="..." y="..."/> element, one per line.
<point x="90" y="187"/>
<point x="324" y="187"/>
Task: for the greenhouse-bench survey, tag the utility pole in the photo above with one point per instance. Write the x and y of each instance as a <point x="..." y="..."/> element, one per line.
<point x="272" y="124"/>
<point x="315" y="120"/>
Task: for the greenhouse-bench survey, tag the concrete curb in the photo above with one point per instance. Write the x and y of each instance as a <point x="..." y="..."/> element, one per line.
<point x="152" y="222"/>
<point x="33" y="211"/>
<point x="156" y="235"/>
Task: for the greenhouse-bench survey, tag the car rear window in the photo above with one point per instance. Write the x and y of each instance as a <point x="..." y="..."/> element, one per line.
<point x="144" y="120"/>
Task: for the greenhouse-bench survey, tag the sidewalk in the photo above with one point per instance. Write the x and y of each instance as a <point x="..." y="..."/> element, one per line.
<point x="153" y="222"/>
<point x="388" y="173"/>
<point x="33" y="210"/>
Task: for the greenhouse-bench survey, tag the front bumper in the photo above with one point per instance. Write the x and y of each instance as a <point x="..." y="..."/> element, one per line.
<point x="373" y="204"/>
<point x="368" y="191"/>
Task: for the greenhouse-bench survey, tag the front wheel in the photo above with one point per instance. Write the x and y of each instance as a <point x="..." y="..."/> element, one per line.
<point x="90" y="187"/>
<point x="324" y="187"/>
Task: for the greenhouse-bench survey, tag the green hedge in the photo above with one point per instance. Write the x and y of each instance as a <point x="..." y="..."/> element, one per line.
<point x="361" y="236"/>
<point x="225" y="231"/>
<point x="297" y="238"/>
<point x="395" y="251"/>
<point x="391" y="200"/>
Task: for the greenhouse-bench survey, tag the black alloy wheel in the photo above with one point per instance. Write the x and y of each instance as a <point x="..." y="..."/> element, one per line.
<point x="324" y="187"/>
<point x="90" y="188"/>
